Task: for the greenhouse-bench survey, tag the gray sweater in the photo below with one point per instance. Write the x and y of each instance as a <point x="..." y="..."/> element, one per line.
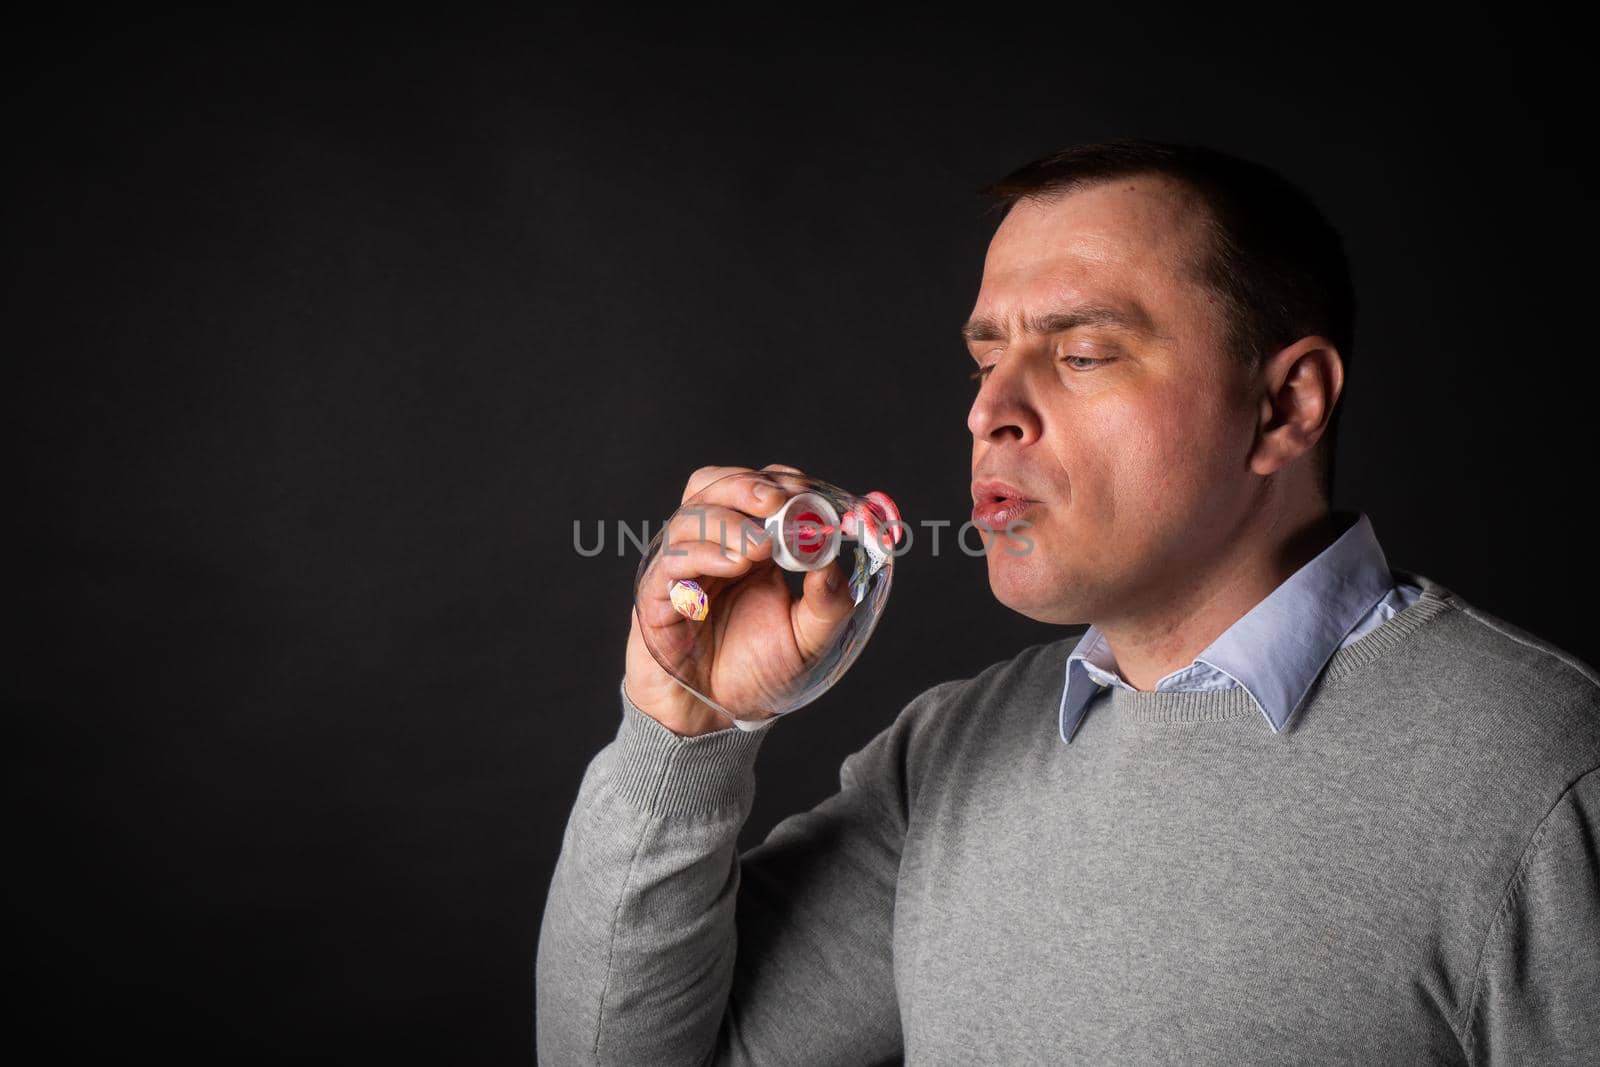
<point x="1409" y="874"/>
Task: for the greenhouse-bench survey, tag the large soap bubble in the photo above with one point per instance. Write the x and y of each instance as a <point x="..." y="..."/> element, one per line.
<point x="751" y="645"/>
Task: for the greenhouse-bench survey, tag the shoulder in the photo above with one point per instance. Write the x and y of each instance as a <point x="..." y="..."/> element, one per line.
<point x="1509" y="660"/>
<point x="1007" y="699"/>
<point x="1032" y="673"/>
<point x="1509" y="691"/>
<point x="1525" y="654"/>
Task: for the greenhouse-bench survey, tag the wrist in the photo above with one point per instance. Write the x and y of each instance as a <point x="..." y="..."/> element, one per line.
<point x="680" y="712"/>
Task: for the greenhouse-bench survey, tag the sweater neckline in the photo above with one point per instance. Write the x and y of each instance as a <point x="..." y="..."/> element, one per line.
<point x="1210" y="705"/>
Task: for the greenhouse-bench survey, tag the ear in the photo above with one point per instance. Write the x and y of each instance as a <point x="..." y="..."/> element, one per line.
<point x="1300" y="385"/>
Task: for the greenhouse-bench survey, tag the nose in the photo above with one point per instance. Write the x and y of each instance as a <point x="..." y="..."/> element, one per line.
<point x="1002" y="410"/>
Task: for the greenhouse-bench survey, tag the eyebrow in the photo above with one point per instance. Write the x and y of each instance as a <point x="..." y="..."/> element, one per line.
<point x="984" y="328"/>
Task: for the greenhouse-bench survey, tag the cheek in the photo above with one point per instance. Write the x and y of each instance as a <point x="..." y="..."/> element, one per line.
<point x="1159" y="449"/>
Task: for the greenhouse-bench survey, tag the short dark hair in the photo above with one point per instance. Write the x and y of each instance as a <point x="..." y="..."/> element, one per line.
<point x="1274" y="258"/>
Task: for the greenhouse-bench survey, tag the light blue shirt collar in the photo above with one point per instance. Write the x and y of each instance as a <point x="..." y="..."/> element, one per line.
<point x="1277" y="649"/>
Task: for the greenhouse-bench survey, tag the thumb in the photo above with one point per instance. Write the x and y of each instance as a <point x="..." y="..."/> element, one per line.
<point x="821" y="612"/>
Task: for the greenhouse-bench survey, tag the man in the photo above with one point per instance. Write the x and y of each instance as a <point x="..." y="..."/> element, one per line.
<point x="1279" y="803"/>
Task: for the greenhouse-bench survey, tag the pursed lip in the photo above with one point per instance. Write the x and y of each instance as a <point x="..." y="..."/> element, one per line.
<point x="998" y="504"/>
<point x="989" y="491"/>
<point x="1002" y="514"/>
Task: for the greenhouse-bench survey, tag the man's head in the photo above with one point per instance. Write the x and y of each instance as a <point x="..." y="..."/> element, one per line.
<point x="1162" y="334"/>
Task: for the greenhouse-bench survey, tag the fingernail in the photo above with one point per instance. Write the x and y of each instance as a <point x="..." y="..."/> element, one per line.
<point x="766" y="492"/>
<point x="833" y="579"/>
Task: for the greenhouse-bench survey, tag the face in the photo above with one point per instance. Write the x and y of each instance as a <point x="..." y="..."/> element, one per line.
<point x="1107" y="397"/>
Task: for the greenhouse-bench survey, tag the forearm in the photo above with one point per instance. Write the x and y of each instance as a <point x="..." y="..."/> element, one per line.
<point x="637" y="945"/>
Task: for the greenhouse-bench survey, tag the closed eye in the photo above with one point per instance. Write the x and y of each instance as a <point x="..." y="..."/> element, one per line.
<point x="1083" y="363"/>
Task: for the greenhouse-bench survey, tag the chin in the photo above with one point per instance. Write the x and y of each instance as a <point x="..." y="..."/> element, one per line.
<point x="1029" y="586"/>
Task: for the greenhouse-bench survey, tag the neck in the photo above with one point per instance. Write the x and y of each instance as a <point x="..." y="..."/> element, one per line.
<point x="1204" y="600"/>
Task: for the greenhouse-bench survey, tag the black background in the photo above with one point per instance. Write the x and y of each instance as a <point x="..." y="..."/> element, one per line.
<point x="325" y="329"/>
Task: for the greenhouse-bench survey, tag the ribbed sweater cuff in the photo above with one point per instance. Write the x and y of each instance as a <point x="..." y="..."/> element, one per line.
<point x="663" y="773"/>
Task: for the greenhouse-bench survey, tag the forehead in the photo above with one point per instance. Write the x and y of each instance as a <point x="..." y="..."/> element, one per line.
<point x="1129" y="241"/>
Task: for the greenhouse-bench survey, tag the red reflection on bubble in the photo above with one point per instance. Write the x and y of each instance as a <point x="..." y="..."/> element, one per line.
<point x="878" y="520"/>
<point x="810" y="531"/>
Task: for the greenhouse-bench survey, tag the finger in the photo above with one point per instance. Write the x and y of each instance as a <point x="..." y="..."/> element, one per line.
<point x="790" y="485"/>
<point x="736" y="487"/>
<point x="821" y="612"/>
<point x="725" y="527"/>
<point x="698" y="559"/>
<point x="701" y="561"/>
<point x="705" y="476"/>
